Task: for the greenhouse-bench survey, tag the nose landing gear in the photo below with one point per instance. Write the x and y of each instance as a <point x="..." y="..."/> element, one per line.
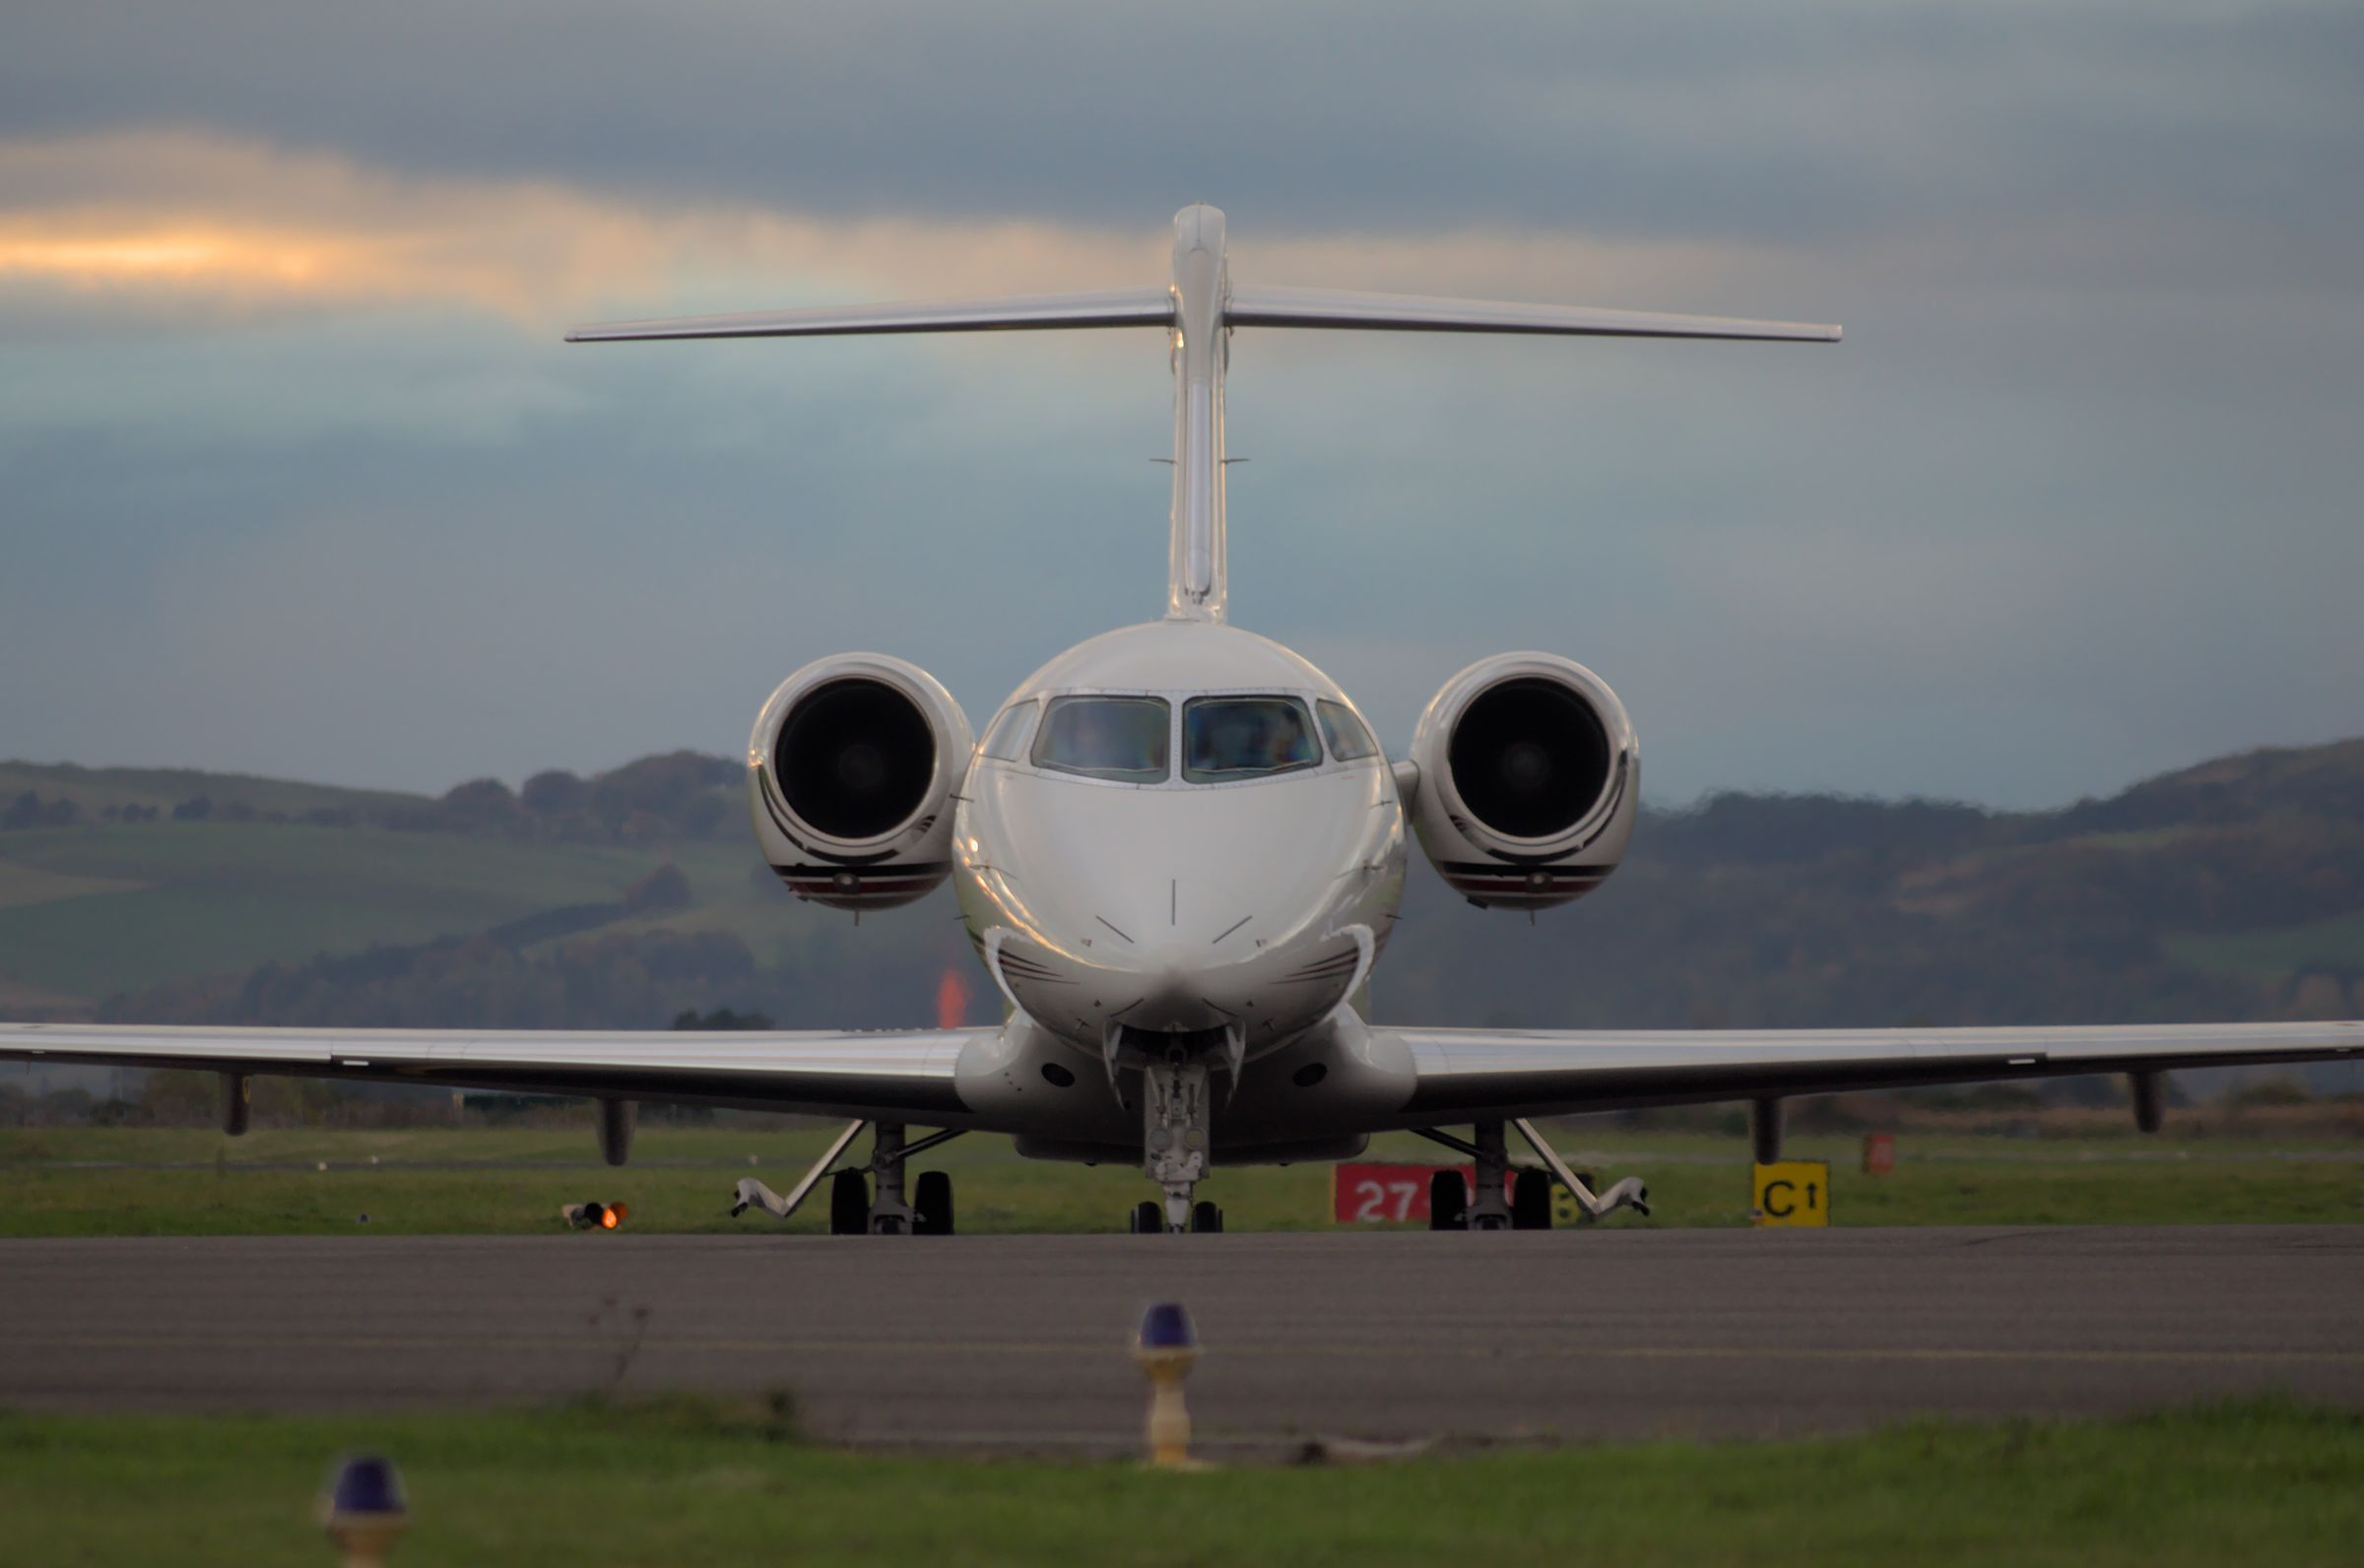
<point x="1175" y="1110"/>
<point x="1148" y="1219"/>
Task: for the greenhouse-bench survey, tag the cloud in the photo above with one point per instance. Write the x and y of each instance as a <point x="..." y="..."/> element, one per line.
<point x="204" y="218"/>
<point x="1729" y="121"/>
<point x="214" y="222"/>
<point x="282" y="285"/>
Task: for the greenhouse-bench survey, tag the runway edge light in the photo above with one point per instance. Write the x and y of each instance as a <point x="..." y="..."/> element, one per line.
<point x="363" y="1510"/>
<point x="1165" y="1347"/>
<point x="594" y="1216"/>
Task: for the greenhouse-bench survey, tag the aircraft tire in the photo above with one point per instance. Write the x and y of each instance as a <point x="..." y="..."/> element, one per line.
<point x="1205" y="1218"/>
<point x="932" y="1202"/>
<point x="849" y="1204"/>
<point x="1448" y="1201"/>
<point x="1531" y="1200"/>
<point x="1148" y="1219"/>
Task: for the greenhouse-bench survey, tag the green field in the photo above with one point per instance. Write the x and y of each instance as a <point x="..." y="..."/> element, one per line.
<point x="684" y="1481"/>
<point x="2272" y="953"/>
<point x="113" y="1181"/>
<point x="90" y="912"/>
<point x="190" y="898"/>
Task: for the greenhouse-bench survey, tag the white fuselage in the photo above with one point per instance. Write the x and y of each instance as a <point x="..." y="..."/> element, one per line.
<point x="1174" y="907"/>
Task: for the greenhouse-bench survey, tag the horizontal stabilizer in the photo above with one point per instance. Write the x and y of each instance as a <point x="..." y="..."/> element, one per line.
<point x="1332" y="307"/>
<point x="1116" y="307"/>
<point x="1197" y="313"/>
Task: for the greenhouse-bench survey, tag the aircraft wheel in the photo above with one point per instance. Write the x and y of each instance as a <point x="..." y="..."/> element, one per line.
<point x="1448" y="1201"/>
<point x="1148" y="1219"/>
<point x="1531" y="1200"/>
<point x="932" y="1205"/>
<point x="1205" y="1218"/>
<point x="849" y="1204"/>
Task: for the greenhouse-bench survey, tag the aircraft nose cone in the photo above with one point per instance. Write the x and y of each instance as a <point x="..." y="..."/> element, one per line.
<point x="1170" y="994"/>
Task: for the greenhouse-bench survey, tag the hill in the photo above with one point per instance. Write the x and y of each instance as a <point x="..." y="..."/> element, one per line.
<point x="2228" y="890"/>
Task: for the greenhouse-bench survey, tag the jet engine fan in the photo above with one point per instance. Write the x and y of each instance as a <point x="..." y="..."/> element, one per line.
<point x="1529" y="778"/>
<point x="849" y="774"/>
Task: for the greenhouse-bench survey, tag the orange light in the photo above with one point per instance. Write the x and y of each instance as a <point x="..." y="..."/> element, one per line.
<point x="952" y="1000"/>
<point x="607" y="1220"/>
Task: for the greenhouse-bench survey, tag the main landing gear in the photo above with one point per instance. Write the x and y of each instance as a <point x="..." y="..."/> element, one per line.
<point x="857" y="1207"/>
<point x="1524" y="1203"/>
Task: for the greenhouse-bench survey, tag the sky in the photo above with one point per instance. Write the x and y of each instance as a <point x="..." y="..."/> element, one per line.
<point x="299" y="478"/>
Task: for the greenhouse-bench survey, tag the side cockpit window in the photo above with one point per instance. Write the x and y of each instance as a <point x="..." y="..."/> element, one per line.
<point x="1006" y="742"/>
<point x="1224" y="738"/>
<point x="1124" y="739"/>
<point x="1349" y="738"/>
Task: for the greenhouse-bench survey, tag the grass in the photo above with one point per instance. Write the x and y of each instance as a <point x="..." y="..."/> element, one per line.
<point x="92" y="911"/>
<point x="56" y="1182"/>
<point x="681" y="1480"/>
<point x="2273" y="953"/>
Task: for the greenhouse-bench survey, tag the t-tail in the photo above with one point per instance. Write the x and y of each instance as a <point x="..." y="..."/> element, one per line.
<point x="1196" y="312"/>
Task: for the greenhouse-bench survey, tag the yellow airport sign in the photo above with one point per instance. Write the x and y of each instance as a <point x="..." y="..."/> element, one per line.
<point x="1791" y="1192"/>
<point x="1565" y="1209"/>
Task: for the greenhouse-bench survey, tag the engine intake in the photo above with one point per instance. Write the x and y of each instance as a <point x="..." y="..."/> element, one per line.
<point x="1529" y="780"/>
<point x="849" y="770"/>
<point x="854" y="757"/>
<point x="1528" y="756"/>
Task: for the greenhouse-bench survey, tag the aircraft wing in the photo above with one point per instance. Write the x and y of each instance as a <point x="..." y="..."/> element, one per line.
<point x="1469" y="1073"/>
<point x="885" y="1075"/>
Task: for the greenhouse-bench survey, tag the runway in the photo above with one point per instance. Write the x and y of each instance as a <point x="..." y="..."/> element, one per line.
<point x="1021" y="1342"/>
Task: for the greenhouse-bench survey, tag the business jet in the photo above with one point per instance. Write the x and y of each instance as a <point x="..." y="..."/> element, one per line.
<point x="1179" y="854"/>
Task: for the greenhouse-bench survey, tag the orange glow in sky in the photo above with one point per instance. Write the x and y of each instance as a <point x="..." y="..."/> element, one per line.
<point x="164" y="256"/>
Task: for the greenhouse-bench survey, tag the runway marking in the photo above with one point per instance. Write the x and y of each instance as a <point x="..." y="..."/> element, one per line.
<point x="1098" y="1347"/>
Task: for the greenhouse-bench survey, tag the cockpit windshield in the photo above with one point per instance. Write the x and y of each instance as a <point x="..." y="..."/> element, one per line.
<point x="1348" y="740"/>
<point x="1236" y="737"/>
<point x="1009" y="733"/>
<point x="1112" y="738"/>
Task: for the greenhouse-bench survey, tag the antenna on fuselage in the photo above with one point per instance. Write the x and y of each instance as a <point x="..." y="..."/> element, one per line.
<point x="1197" y="312"/>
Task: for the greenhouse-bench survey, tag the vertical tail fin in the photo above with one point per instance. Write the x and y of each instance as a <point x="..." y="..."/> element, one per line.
<point x="1198" y="312"/>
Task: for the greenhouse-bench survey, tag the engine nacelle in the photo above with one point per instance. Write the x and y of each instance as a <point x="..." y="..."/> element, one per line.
<point x="1529" y="776"/>
<point x="850" y="774"/>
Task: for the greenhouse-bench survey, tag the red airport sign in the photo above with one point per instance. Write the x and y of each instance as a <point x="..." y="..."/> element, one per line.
<point x="1377" y="1195"/>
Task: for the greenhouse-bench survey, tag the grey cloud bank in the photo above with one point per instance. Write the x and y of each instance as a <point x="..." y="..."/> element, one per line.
<point x="1802" y="122"/>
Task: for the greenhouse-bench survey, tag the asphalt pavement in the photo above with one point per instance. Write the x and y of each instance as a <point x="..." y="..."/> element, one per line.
<point x="1022" y="1342"/>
